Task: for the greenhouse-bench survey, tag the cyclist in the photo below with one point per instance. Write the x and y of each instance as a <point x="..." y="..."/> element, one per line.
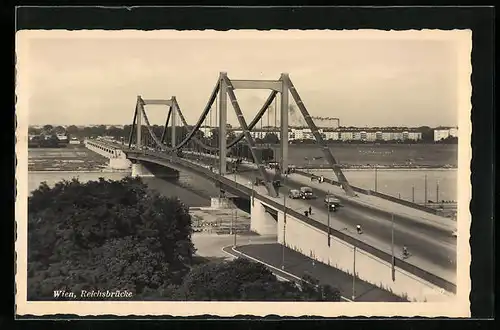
<point x="405" y="251"/>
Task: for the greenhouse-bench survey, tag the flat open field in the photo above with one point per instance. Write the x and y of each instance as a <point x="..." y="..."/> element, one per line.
<point x="437" y="155"/>
<point x="65" y="159"/>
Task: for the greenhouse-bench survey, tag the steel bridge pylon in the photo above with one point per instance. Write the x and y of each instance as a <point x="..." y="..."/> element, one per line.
<point x="224" y="90"/>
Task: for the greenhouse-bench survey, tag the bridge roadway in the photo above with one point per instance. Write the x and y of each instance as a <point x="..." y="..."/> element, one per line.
<point x="431" y="246"/>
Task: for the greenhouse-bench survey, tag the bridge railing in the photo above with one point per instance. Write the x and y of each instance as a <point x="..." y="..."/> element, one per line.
<point x="399" y="263"/>
<point x="387" y="257"/>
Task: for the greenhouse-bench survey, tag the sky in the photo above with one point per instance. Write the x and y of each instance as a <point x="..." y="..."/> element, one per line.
<point x="95" y="78"/>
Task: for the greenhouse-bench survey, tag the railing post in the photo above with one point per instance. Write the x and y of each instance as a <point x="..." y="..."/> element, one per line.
<point x="222" y="123"/>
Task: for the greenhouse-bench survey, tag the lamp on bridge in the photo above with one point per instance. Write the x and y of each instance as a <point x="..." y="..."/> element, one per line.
<point x="252" y="195"/>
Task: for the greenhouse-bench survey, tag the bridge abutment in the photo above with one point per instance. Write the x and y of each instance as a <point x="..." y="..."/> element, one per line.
<point x="140" y="170"/>
<point x="261" y="222"/>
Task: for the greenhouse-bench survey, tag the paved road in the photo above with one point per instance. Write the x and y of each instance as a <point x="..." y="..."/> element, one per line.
<point x="299" y="265"/>
<point x="421" y="240"/>
<point x="431" y="249"/>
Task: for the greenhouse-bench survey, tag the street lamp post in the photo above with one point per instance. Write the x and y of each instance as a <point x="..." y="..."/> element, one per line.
<point x="392" y="248"/>
<point x="413" y="194"/>
<point x="376" y="178"/>
<point x="235" y="211"/>
<point x="425" y="190"/>
<point x="437" y="191"/>
<point x="354" y="275"/>
<point x="328" y="211"/>
<point x="252" y="193"/>
<point x="235" y="219"/>
<point x="284" y="227"/>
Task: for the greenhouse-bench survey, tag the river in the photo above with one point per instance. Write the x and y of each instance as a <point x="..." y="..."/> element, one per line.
<point x="196" y="191"/>
<point x="191" y="193"/>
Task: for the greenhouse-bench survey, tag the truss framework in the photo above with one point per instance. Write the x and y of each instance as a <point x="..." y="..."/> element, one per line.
<point x="224" y="89"/>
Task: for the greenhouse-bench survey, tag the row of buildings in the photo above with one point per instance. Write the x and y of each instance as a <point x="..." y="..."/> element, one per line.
<point x="341" y="134"/>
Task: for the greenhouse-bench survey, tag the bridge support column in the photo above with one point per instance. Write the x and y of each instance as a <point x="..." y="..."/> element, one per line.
<point x="139" y="123"/>
<point x="284" y="122"/>
<point x="140" y="170"/>
<point x="261" y="222"/>
<point x="173" y="120"/>
<point x="222" y="123"/>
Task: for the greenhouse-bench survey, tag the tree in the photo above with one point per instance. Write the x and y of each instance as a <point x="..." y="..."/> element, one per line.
<point x="242" y="279"/>
<point x="105" y="234"/>
<point x="427" y="133"/>
<point x="271" y="138"/>
<point x="48" y="129"/>
<point x="59" y="130"/>
<point x="34" y="131"/>
<point x="231" y="136"/>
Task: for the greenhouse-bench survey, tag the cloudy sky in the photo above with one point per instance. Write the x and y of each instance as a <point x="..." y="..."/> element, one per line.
<point x="94" y="78"/>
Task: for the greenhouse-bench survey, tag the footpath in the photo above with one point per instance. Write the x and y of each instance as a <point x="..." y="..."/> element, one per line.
<point x="297" y="265"/>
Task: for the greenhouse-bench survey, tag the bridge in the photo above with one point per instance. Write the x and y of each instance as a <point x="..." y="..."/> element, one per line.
<point x="235" y="163"/>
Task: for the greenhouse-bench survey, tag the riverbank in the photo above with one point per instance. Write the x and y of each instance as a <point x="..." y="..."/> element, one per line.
<point x="371" y="167"/>
<point x="105" y="170"/>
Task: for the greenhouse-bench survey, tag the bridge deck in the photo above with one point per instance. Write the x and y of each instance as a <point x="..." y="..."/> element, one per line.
<point x="432" y="250"/>
<point x="369" y="201"/>
<point x="433" y="255"/>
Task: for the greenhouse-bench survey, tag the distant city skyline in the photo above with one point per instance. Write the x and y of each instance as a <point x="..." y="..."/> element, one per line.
<point x="84" y="78"/>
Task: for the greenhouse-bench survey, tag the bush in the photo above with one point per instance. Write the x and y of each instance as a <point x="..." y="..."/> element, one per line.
<point x="242" y="279"/>
<point x="105" y="235"/>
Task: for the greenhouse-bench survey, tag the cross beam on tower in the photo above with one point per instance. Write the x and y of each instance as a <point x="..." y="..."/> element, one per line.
<point x="284" y="86"/>
<point x="140" y="114"/>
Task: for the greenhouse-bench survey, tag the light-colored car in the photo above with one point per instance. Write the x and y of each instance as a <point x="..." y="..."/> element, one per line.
<point x="294" y="194"/>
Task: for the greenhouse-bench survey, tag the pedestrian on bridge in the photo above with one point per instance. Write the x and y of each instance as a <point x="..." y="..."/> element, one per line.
<point x="306" y="213"/>
<point x="310" y="210"/>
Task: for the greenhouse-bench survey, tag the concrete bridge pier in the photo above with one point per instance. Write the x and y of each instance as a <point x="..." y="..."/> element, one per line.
<point x="261" y="222"/>
<point x="145" y="169"/>
<point x="138" y="169"/>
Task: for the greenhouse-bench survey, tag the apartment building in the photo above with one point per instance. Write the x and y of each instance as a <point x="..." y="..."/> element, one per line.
<point x="441" y="133"/>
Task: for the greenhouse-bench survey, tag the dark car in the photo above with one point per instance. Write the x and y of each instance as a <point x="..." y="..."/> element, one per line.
<point x="306" y="193"/>
<point x="332" y="202"/>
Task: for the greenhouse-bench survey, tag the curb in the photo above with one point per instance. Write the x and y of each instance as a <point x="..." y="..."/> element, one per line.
<point x="270" y="266"/>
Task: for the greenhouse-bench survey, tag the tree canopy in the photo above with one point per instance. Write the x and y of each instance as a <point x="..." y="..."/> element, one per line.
<point x="105" y="234"/>
<point x="119" y="235"/>
<point x="246" y="280"/>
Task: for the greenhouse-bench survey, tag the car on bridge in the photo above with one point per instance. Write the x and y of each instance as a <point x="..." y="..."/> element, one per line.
<point x="259" y="182"/>
<point x="306" y="193"/>
<point x="294" y="194"/>
<point x="332" y="202"/>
